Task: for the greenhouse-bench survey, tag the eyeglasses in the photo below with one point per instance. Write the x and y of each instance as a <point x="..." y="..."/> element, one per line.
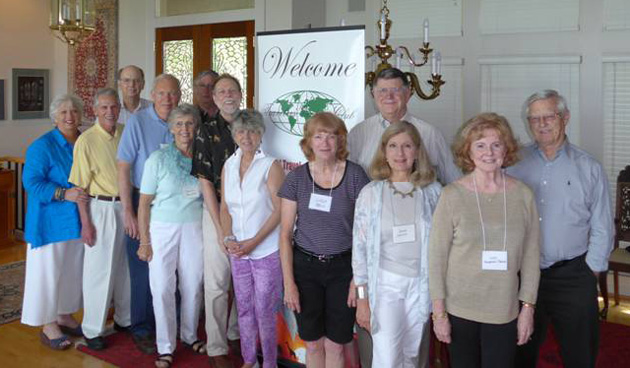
<point x="205" y="86"/>
<point x="546" y="118"/>
<point x="387" y="91"/>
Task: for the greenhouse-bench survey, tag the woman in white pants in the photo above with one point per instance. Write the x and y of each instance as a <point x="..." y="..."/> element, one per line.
<point x="169" y="217"/>
<point x="389" y="253"/>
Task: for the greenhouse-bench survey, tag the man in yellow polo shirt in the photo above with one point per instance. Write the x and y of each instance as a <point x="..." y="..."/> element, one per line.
<point x="105" y="266"/>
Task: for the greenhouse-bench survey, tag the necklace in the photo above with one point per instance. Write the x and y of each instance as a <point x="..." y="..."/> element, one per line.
<point x="402" y="194"/>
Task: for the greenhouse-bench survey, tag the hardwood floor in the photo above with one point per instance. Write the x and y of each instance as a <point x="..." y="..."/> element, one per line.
<point x="20" y="346"/>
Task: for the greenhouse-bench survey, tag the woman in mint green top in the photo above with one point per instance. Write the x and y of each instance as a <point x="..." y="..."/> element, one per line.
<point x="169" y="216"/>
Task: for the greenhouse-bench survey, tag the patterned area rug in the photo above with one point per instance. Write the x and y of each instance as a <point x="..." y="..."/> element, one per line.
<point x="93" y="63"/>
<point x="11" y="291"/>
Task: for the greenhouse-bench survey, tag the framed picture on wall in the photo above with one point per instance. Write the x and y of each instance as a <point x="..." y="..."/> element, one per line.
<point x="30" y="94"/>
<point x="2" y="110"/>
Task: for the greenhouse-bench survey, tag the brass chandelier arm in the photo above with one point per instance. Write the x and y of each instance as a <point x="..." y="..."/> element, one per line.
<point x="425" y="52"/>
<point x="436" y="82"/>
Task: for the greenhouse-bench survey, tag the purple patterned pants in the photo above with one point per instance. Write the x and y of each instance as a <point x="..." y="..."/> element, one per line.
<point x="258" y="288"/>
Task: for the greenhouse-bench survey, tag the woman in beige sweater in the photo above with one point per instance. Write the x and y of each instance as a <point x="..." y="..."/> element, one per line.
<point x="484" y="251"/>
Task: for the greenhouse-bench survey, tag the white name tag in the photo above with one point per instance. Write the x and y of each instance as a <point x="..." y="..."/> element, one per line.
<point x="191" y="191"/>
<point x="494" y="260"/>
<point x="404" y="233"/>
<point x="164" y="145"/>
<point x="320" y="202"/>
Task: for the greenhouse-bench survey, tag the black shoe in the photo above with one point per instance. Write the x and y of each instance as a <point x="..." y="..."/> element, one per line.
<point x="119" y="328"/>
<point x="145" y="344"/>
<point x="97" y="343"/>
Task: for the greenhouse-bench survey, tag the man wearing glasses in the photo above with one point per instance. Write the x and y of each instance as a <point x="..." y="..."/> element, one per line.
<point x="203" y="85"/>
<point x="391" y="93"/>
<point x="577" y="232"/>
<point x="131" y="84"/>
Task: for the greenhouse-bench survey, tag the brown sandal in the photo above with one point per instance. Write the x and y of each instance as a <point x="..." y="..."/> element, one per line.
<point x="164" y="361"/>
<point x="198" y="347"/>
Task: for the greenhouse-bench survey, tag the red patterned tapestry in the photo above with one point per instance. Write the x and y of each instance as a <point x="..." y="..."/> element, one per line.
<point x="93" y="63"/>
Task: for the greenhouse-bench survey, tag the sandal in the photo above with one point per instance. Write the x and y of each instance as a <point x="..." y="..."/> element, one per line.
<point x="74" y="332"/>
<point x="198" y="346"/>
<point x="60" y="343"/>
<point x="164" y="361"/>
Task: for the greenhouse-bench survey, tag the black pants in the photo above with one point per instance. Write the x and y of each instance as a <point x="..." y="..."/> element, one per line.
<point x="567" y="297"/>
<point x="476" y="345"/>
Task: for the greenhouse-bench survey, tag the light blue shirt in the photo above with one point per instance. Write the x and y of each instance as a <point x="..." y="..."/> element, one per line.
<point x="177" y="194"/>
<point x="573" y="204"/>
<point x="47" y="167"/>
<point x="144" y="133"/>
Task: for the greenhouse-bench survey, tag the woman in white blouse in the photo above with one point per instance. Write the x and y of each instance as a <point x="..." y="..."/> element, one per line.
<point x="250" y="215"/>
<point x="389" y="254"/>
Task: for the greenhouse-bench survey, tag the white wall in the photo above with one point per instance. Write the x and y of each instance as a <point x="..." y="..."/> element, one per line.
<point x="26" y="42"/>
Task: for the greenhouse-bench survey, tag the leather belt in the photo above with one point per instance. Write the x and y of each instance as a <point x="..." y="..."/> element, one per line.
<point x="323" y="257"/>
<point x="105" y="198"/>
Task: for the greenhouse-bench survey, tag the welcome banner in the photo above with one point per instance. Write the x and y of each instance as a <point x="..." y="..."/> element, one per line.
<point x="304" y="72"/>
<point x="301" y="73"/>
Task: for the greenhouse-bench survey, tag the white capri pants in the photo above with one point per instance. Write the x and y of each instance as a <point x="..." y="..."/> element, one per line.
<point x="396" y="343"/>
<point x="53" y="281"/>
<point x="176" y="247"/>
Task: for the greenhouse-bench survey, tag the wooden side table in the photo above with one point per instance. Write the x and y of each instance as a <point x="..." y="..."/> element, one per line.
<point x="7" y="206"/>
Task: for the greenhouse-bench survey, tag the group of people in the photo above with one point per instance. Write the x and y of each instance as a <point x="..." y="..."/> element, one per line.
<point x="378" y="232"/>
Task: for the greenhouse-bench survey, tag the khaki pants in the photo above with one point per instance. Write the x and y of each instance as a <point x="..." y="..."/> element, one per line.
<point x="217" y="281"/>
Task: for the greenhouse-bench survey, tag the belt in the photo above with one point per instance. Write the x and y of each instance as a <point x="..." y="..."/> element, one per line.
<point x="323" y="257"/>
<point x="106" y="198"/>
<point x="567" y="261"/>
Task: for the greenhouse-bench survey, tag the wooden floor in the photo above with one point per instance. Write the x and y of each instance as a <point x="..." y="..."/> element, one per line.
<point x="20" y="346"/>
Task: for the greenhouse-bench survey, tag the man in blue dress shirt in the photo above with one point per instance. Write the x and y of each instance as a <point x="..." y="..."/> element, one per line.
<point x="577" y="232"/>
<point x="144" y="133"/>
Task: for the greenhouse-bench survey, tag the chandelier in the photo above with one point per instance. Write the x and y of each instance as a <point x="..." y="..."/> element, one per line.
<point x="72" y="20"/>
<point x="384" y="51"/>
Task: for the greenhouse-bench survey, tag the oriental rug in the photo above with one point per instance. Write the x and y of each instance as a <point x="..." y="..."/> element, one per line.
<point x="93" y="63"/>
<point x="11" y="291"/>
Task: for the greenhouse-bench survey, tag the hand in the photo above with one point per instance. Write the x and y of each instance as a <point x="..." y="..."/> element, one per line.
<point x="442" y="329"/>
<point x="76" y="195"/>
<point x="88" y="234"/>
<point x="363" y="314"/>
<point x="246" y="247"/>
<point x="231" y="246"/>
<point x="145" y="252"/>
<point x="524" y="325"/>
<point x="292" y="297"/>
<point x="131" y="224"/>
<point x="352" y="295"/>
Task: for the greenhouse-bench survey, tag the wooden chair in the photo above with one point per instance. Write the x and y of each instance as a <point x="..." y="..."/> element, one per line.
<point x="620" y="257"/>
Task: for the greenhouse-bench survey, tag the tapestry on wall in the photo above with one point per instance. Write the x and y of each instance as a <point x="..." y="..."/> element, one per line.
<point x="93" y="63"/>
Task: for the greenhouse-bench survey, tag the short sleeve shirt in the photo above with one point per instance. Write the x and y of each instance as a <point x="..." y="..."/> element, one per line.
<point x="212" y="147"/>
<point x="177" y="195"/>
<point x="324" y="232"/>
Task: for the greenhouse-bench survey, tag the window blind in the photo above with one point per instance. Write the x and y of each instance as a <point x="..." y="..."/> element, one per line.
<point x="445" y="18"/>
<point x="519" y="16"/>
<point x="616" y="14"/>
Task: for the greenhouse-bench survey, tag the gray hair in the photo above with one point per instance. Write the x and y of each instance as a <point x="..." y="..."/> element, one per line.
<point x="391" y="73"/>
<point x="204" y="74"/>
<point x="62" y="99"/>
<point x="561" y="103"/>
<point x="183" y="110"/>
<point x="248" y="119"/>
<point x="121" y="70"/>
<point x="105" y="92"/>
<point x="165" y="76"/>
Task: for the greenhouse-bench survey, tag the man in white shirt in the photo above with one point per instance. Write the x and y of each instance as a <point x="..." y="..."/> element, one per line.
<point x="391" y="92"/>
<point x="131" y="84"/>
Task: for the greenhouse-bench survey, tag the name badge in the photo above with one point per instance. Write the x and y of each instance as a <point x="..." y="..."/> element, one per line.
<point x="404" y="233"/>
<point x="164" y="145"/>
<point x="191" y="191"/>
<point x="494" y="260"/>
<point x="320" y="202"/>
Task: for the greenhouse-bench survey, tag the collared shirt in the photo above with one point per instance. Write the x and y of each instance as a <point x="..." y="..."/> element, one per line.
<point x="125" y="114"/>
<point x="144" y="133"/>
<point x="573" y="204"/>
<point x="364" y="139"/>
<point x="47" y="167"/>
<point x="94" y="166"/>
<point x="212" y="147"/>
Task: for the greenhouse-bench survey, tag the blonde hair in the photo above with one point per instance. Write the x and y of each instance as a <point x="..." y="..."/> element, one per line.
<point x="325" y="121"/>
<point x="474" y="129"/>
<point x="422" y="173"/>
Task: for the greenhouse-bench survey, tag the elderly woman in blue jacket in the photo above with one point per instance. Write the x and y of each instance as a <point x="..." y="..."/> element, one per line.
<point x="389" y="253"/>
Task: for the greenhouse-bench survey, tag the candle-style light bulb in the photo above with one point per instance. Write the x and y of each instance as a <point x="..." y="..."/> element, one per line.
<point x="383" y="25"/>
<point x="433" y="64"/>
<point x="438" y="58"/>
<point x="426" y="30"/>
<point x="398" y="58"/>
<point x="343" y="22"/>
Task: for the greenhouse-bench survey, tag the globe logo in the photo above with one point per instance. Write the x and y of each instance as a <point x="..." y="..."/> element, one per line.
<point x="290" y="111"/>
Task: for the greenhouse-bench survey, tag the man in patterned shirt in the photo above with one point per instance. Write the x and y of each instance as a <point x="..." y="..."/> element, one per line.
<point x="212" y="147"/>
